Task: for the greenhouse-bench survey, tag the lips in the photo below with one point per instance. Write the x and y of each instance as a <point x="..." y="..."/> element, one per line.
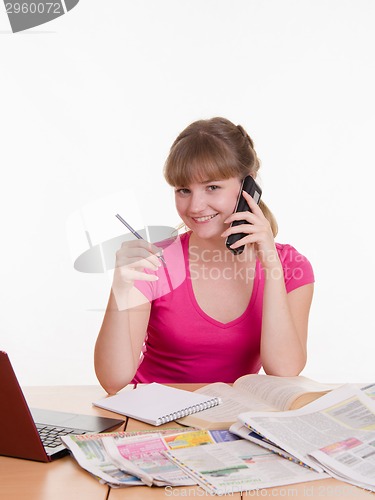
<point x="205" y="218"/>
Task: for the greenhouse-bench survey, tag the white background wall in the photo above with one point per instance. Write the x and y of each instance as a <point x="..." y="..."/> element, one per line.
<point x="90" y="104"/>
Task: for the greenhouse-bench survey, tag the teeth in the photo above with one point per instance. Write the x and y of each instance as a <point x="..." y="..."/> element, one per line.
<point x="202" y="219"/>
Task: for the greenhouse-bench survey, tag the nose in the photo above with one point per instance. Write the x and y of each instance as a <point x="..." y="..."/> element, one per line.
<point x="197" y="202"/>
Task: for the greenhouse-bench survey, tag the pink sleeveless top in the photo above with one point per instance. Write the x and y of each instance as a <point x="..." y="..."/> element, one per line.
<point x="184" y="344"/>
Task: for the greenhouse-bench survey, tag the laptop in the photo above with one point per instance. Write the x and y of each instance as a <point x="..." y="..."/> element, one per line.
<point x="34" y="433"/>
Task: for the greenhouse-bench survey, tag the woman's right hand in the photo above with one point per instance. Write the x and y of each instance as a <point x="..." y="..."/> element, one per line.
<point x="131" y="259"/>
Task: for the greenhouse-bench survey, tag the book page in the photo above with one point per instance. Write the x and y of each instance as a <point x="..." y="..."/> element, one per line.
<point x="232" y="403"/>
<point x="280" y="392"/>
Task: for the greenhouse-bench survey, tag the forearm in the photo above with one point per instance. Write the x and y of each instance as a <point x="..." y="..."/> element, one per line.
<point x="283" y="346"/>
<point x="119" y="344"/>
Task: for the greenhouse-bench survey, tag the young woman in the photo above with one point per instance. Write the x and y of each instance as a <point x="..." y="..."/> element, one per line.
<point x="208" y="315"/>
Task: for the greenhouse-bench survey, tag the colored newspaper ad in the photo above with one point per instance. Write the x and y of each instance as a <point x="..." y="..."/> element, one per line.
<point x="238" y="466"/>
<point x="136" y="458"/>
<point x="334" y="434"/>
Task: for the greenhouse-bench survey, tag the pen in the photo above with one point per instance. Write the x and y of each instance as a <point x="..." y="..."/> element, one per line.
<point x="137" y="235"/>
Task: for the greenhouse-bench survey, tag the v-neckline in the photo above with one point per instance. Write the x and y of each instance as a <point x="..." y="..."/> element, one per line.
<point x="195" y="302"/>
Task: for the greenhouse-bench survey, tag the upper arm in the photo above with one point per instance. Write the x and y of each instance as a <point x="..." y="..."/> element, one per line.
<point x="299" y="301"/>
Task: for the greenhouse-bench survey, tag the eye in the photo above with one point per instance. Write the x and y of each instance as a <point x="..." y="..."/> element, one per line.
<point x="213" y="187"/>
<point x="182" y="191"/>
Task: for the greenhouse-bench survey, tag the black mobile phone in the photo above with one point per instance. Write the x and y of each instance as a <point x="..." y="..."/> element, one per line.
<point x="250" y="186"/>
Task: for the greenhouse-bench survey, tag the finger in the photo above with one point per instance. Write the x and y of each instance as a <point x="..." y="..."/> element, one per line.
<point x="142" y="253"/>
<point x="159" y="252"/>
<point x="242" y="228"/>
<point x="126" y="256"/>
<point x="153" y="248"/>
<point x="141" y="244"/>
<point x="127" y="253"/>
<point x="248" y="216"/>
<point x="246" y="240"/>
<point x="254" y="207"/>
<point x="138" y="263"/>
<point x="133" y="275"/>
<point x="130" y="277"/>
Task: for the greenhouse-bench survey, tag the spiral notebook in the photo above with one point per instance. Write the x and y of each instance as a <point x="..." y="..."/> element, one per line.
<point x="157" y="404"/>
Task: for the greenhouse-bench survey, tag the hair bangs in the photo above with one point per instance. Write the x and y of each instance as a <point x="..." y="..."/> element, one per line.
<point x="199" y="159"/>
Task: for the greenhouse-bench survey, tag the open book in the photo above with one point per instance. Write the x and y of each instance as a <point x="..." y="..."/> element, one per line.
<point x="255" y="393"/>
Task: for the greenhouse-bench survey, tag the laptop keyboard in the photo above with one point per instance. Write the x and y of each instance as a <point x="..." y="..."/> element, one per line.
<point x="50" y="435"/>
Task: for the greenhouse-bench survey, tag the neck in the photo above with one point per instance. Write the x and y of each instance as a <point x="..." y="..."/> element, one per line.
<point x="214" y="250"/>
<point x="217" y="244"/>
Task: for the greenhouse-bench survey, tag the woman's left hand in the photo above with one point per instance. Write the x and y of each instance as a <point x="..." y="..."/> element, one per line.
<point x="258" y="232"/>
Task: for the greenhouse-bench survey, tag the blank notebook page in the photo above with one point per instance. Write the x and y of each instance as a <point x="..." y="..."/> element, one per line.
<point x="157" y="404"/>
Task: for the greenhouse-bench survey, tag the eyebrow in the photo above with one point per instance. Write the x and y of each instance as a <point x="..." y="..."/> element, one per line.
<point x="211" y="180"/>
<point x="204" y="182"/>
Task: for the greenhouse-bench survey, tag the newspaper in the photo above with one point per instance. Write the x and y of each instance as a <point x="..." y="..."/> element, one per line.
<point x="238" y="466"/>
<point x="134" y="459"/>
<point x="244" y="432"/>
<point x="335" y="433"/>
<point x="352" y="458"/>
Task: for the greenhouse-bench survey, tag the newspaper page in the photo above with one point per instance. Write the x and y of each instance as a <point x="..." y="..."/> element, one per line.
<point x="350" y="460"/>
<point x="128" y="459"/>
<point x="344" y="415"/>
<point x="145" y="452"/>
<point x="244" y="432"/>
<point x="238" y="466"/>
<point x="91" y="455"/>
<point x="356" y="459"/>
<point x="369" y="390"/>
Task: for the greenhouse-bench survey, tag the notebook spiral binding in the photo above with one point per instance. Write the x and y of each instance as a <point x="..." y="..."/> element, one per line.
<point x="188" y="411"/>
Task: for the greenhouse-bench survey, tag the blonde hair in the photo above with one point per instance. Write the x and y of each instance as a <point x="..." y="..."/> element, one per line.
<point x="213" y="149"/>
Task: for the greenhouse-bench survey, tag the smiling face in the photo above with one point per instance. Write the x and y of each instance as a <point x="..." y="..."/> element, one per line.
<point x="205" y="165"/>
<point x="204" y="206"/>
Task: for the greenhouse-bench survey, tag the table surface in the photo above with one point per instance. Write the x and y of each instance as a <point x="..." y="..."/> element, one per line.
<point x="65" y="479"/>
